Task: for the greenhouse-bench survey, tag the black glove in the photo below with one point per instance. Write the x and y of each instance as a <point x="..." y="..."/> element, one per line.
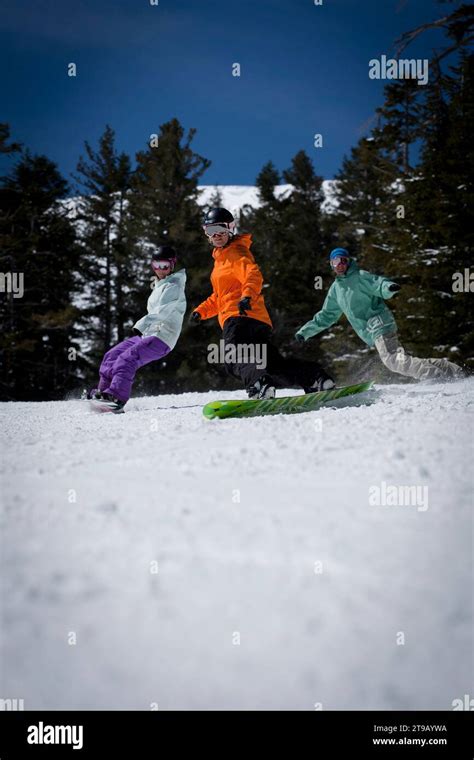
<point x="299" y="338"/>
<point x="136" y="332"/>
<point x="244" y="306"/>
<point x="394" y="288"/>
<point x="195" y="318"/>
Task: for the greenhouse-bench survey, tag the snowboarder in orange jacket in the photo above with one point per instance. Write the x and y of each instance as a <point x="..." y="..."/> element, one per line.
<point x="239" y="305"/>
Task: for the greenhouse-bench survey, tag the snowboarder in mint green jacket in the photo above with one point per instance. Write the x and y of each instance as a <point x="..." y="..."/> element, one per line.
<point x="361" y="296"/>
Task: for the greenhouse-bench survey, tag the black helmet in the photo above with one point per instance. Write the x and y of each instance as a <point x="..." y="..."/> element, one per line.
<point x="163" y="253"/>
<point x="218" y="215"/>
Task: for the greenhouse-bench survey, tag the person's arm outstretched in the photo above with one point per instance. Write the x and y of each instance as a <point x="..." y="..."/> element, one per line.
<point x="380" y="286"/>
<point x="328" y="315"/>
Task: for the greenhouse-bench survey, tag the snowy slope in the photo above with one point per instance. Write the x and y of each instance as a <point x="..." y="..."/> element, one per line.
<point x="92" y="501"/>
<point x="235" y="197"/>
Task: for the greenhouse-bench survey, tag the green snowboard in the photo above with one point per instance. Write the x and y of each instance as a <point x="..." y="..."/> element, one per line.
<point x="284" y="405"/>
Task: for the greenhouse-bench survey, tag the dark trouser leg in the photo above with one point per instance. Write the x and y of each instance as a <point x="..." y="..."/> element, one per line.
<point x="283" y="371"/>
<point x="293" y="371"/>
<point x="247" y="339"/>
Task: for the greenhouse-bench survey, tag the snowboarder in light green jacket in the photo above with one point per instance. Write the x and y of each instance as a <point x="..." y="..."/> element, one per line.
<point x="361" y="296"/>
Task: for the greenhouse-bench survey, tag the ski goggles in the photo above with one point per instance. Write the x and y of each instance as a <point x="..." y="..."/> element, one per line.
<point x="215" y="229"/>
<point x="161" y="265"/>
<point x="339" y="260"/>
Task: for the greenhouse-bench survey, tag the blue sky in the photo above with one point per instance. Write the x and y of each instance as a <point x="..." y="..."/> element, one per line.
<point x="304" y="70"/>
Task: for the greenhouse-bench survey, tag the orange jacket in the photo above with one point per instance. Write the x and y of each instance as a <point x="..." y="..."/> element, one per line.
<point x="235" y="276"/>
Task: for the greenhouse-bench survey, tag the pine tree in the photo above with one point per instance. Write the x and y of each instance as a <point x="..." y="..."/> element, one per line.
<point x="4" y="137"/>
<point x="413" y="222"/>
<point x="400" y="117"/>
<point x="215" y="201"/>
<point x="364" y="186"/>
<point x="289" y="246"/>
<point x="164" y="209"/>
<point x="267" y="180"/>
<point x="302" y="240"/>
<point x="103" y="218"/>
<point x="442" y="200"/>
<point x="38" y="243"/>
<point x="436" y="237"/>
<point x="264" y="222"/>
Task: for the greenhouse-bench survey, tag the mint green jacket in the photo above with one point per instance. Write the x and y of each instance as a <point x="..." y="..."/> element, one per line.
<point x="166" y="307"/>
<point x="360" y="296"/>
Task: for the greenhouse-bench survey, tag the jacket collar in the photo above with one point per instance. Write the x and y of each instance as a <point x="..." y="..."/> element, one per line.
<point x="244" y="240"/>
<point x="351" y="269"/>
<point x="173" y="277"/>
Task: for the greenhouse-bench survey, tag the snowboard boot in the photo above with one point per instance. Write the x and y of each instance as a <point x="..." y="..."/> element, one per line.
<point x="322" y="383"/>
<point x="448" y="370"/>
<point x="264" y="387"/>
<point x="107" y="403"/>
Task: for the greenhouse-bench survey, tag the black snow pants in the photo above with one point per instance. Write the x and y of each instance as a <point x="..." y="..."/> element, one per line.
<point x="248" y="334"/>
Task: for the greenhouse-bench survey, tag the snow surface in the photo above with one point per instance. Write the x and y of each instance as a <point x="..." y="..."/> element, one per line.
<point x="91" y="501"/>
<point x="235" y="197"/>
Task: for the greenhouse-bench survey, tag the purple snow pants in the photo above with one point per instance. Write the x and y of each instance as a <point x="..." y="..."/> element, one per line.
<point x="120" y="364"/>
